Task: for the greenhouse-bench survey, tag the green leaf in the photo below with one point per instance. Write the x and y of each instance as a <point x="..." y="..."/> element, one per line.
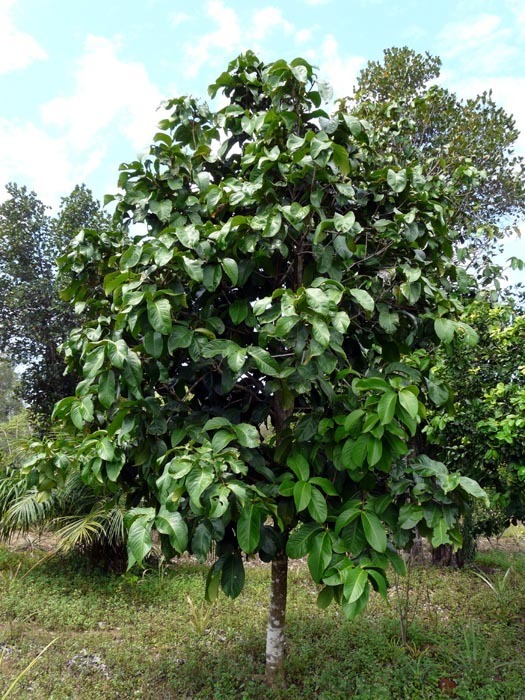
<point x="437" y="392"/>
<point x="113" y="469"/>
<point x="153" y="344"/>
<point x="247" y="435"/>
<point x="327" y="486"/>
<point x="344" y="223"/>
<point x="117" y="353"/>
<point x="396" y="561"/>
<point x="239" y="310"/>
<point x="374" y="450"/>
<point x="221" y="439"/>
<point x="230" y="268"/>
<point x="236" y="359"/>
<point x="389" y="321"/>
<point x="440" y="533"/>
<point x="318" y="301"/>
<point x="363" y="298"/>
<point x="264" y="361"/>
<point x="410" y="515"/>
<point x="173" y="525"/>
<point x="321" y="333"/>
<point x="386" y="407"/>
<point x="325" y="597"/>
<point x="107" y="388"/>
<point x="444" y="328"/>
<point x="139" y="541"/>
<point x="249" y="528"/>
<point x="472" y="487"/>
<point x="180" y="337"/>
<point x="105" y="449"/>
<point x="299" y="465"/>
<point x="193" y="268"/>
<point x="213" y="578"/>
<point x="201" y="541"/>
<point x="374" y="531"/>
<point x="302" y="492"/>
<point x="317" y="506"/>
<point x="232" y="578"/>
<point x="297" y="545"/>
<point x="161" y="209"/>
<point x="211" y="277"/>
<point x="355" y="581"/>
<point x="159" y="315"/>
<point x="341" y="159"/>
<point x="409" y="402"/>
<point x="345" y="518"/>
<point x="197" y="481"/>
<point x="319" y="555"/>
<point x="397" y="181"/>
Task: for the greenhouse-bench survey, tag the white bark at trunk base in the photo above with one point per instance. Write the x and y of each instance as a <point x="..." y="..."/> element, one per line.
<point x="275" y="640"/>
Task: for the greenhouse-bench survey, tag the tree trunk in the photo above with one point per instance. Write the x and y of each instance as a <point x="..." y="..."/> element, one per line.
<point x="275" y="641"/>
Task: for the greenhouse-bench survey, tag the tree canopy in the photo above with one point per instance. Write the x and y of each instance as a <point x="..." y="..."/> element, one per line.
<point x="448" y="132"/>
<point x="255" y="365"/>
<point x="33" y="320"/>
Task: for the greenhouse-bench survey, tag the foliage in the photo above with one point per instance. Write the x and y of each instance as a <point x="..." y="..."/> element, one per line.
<point x="450" y="132"/>
<point x="10" y="404"/>
<point x="255" y="366"/>
<point x="33" y="321"/>
<point x="483" y="433"/>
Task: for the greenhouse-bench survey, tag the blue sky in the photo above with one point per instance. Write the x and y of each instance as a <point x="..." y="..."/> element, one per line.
<point x="81" y="81"/>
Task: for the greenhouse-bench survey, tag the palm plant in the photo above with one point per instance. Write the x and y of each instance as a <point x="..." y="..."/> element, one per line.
<point x="80" y="517"/>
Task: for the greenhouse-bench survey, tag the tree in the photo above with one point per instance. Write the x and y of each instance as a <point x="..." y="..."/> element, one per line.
<point x="255" y="366"/>
<point x="448" y="132"/>
<point x="483" y="432"/>
<point x="10" y="404"/>
<point x="33" y="319"/>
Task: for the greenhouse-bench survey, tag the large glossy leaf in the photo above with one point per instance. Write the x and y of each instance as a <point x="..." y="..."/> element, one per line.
<point x="374" y="531"/>
<point x="319" y="555"/>
<point x="172" y="524"/>
<point x="386" y="407"/>
<point x="159" y="315"/>
<point x="297" y="545"/>
<point x="302" y="494"/>
<point x="355" y="581"/>
<point x="139" y="541"/>
<point x="317" y="506"/>
<point x="232" y="577"/>
<point x="249" y="528"/>
<point x="197" y="481"/>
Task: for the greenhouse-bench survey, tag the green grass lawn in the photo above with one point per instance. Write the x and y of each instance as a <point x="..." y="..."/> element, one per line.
<point x="152" y="636"/>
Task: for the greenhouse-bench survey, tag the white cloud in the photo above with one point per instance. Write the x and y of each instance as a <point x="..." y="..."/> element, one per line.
<point x="177" y="18"/>
<point x="107" y="90"/>
<point x="267" y="20"/>
<point x="17" y="49"/>
<point x="317" y="2"/>
<point x="109" y="95"/>
<point x="339" y="70"/>
<point x="30" y="156"/>
<point x="226" y="37"/>
<point x="482" y="43"/>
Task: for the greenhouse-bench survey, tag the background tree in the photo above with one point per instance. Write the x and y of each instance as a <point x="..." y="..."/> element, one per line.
<point x="483" y="432"/>
<point x="255" y="365"/>
<point x="10" y="404"/>
<point x="447" y="132"/>
<point x="33" y="320"/>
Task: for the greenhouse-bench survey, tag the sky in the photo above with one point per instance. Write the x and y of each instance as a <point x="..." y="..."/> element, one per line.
<point x="81" y="82"/>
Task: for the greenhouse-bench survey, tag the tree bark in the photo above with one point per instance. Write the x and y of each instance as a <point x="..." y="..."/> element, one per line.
<point x="275" y="640"/>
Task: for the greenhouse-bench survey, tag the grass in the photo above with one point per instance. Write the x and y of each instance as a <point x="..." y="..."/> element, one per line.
<point x="152" y="636"/>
